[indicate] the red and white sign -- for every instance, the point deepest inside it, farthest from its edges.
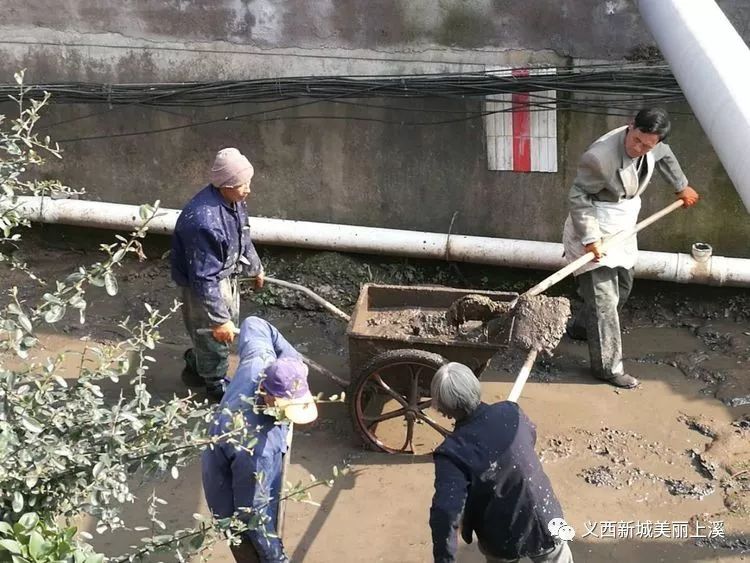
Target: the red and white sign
(520, 137)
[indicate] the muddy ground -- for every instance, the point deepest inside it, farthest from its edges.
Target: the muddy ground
(674, 450)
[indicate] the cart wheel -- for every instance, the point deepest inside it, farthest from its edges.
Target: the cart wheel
(389, 402)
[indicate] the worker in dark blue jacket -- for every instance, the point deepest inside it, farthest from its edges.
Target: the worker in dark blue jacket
(489, 480)
(211, 246)
(242, 478)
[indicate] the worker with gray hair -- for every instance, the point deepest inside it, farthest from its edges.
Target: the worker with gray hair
(211, 247)
(487, 471)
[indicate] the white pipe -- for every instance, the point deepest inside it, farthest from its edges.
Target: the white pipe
(682, 268)
(710, 61)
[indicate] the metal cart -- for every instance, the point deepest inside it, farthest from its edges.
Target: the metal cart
(389, 391)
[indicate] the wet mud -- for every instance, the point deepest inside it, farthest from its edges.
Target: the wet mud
(675, 449)
(540, 322)
(476, 308)
(424, 324)
(467, 319)
(537, 322)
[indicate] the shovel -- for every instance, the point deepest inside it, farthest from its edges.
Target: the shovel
(545, 284)
(318, 299)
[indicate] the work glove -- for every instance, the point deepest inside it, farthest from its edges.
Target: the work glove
(596, 248)
(224, 332)
(689, 196)
(260, 280)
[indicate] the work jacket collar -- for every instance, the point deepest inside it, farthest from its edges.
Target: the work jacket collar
(220, 198)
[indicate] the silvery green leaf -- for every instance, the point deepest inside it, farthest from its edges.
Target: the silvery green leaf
(29, 520)
(110, 284)
(31, 425)
(175, 472)
(145, 211)
(54, 313)
(196, 542)
(25, 323)
(98, 468)
(17, 502)
(52, 299)
(74, 277)
(117, 256)
(11, 545)
(36, 545)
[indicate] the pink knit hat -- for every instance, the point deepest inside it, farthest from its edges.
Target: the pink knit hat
(230, 169)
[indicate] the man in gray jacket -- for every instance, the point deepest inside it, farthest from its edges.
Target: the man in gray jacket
(606, 198)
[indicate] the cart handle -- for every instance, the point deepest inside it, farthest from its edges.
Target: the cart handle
(307, 291)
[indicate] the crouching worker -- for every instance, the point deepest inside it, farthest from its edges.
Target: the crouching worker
(249, 481)
(488, 471)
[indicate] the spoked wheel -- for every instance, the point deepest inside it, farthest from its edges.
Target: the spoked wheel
(390, 399)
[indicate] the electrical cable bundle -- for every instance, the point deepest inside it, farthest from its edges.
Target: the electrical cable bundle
(607, 89)
(653, 82)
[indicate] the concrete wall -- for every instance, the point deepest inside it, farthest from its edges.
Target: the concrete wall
(350, 167)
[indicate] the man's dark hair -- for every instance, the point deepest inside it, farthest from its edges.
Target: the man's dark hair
(654, 120)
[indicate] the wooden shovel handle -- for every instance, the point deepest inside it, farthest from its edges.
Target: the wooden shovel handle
(522, 376)
(608, 242)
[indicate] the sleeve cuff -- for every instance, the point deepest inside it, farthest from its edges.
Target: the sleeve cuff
(682, 185)
(589, 240)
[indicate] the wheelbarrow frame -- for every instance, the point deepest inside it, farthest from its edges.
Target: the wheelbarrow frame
(364, 345)
(370, 352)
